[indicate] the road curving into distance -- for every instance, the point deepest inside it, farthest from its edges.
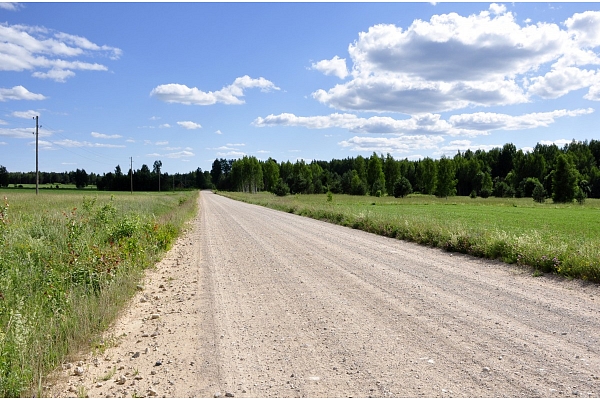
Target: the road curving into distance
(253, 302)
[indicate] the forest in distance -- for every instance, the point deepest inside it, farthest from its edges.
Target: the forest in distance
(563, 174)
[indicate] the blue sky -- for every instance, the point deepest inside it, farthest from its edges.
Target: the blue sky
(186, 83)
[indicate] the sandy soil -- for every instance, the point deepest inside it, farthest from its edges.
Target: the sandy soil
(253, 302)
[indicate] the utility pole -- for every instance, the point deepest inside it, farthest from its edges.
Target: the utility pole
(37, 170)
(131, 173)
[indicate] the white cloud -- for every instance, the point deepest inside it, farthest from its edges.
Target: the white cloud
(177, 93)
(218, 132)
(559, 82)
(493, 121)
(22, 133)
(18, 93)
(584, 28)
(393, 145)
(416, 124)
(497, 9)
(236, 144)
(44, 52)
(452, 62)
(180, 154)
(104, 136)
(462, 145)
(58, 75)
(43, 145)
(336, 66)
(153, 118)
(175, 155)
(29, 114)
(232, 153)
(3, 122)
(189, 125)
(559, 142)
(76, 143)
(10, 5)
(457, 125)
(162, 143)
(164, 126)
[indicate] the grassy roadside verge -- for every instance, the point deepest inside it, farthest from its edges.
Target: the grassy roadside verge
(561, 239)
(68, 264)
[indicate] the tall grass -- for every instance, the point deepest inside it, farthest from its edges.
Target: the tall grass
(68, 264)
(562, 239)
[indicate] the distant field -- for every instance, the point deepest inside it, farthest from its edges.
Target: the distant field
(560, 238)
(69, 260)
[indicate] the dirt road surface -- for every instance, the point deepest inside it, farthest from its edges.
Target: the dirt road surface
(253, 302)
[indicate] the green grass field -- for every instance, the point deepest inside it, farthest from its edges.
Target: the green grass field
(559, 238)
(69, 260)
(49, 186)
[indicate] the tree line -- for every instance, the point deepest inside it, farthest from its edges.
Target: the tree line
(564, 174)
(143, 179)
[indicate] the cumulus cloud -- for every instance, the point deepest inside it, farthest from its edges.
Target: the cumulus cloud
(336, 66)
(18, 93)
(177, 93)
(452, 62)
(29, 114)
(104, 136)
(189, 125)
(47, 53)
(392, 145)
(463, 124)
(494, 121)
(417, 123)
(58, 75)
(559, 82)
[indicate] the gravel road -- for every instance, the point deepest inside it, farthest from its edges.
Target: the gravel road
(260, 303)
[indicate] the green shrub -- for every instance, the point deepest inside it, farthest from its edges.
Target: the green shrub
(281, 188)
(402, 187)
(539, 194)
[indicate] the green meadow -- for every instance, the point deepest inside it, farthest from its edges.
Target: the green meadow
(69, 261)
(551, 238)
